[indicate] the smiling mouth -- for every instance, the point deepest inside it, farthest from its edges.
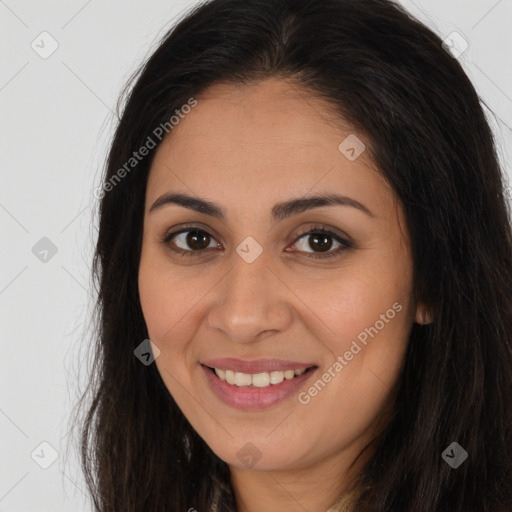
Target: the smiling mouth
(257, 380)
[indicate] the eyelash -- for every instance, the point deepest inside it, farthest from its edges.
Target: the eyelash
(317, 230)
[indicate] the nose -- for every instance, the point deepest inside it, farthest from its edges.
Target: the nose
(251, 302)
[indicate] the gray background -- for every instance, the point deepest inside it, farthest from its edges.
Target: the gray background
(57, 119)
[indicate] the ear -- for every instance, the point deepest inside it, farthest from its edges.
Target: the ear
(423, 316)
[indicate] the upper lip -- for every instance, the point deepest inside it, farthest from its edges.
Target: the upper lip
(256, 365)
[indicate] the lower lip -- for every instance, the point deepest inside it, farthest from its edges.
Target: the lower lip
(247, 397)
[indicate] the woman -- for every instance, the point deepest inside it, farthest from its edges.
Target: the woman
(304, 212)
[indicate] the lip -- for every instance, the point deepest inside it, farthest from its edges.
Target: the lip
(256, 365)
(254, 398)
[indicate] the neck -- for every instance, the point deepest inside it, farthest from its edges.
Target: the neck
(315, 487)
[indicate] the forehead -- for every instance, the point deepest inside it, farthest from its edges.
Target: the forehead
(272, 112)
(267, 139)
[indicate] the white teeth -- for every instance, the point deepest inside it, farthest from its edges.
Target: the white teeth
(276, 377)
(243, 379)
(230, 377)
(259, 380)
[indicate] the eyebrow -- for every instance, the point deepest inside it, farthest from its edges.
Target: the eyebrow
(280, 211)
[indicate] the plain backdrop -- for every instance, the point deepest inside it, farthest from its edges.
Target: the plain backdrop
(57, 118)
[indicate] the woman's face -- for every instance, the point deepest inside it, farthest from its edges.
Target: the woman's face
(252, 294)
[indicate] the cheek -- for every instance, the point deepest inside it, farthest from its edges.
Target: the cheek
(357, 302)
(364, 362)
(368, 316)
(172, 304)
(163, 295)
(164, 308)
(154, 300)
(159, 297)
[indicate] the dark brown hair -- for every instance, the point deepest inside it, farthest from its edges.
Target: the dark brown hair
(389, 76)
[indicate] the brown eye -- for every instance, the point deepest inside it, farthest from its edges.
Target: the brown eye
(188, 241)
(197, 240)
(320, 241)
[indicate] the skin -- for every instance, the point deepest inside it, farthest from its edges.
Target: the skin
(247, 148)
